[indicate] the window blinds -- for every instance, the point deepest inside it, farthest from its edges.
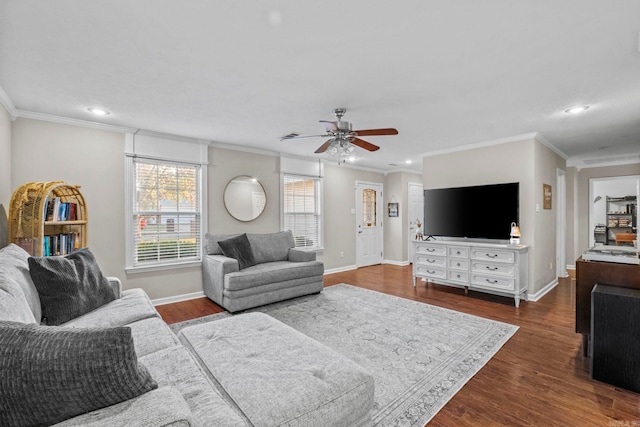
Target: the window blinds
(166, 212)
(302, 210)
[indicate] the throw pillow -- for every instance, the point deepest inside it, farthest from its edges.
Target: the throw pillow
(49, 373)
(239, 248)
(69, 286)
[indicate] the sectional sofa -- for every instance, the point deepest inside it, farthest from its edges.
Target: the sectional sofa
(227, 372)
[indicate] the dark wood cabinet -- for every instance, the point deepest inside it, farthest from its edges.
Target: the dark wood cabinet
(590, 273)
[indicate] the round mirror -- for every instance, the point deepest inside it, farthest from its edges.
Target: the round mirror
(244, 198)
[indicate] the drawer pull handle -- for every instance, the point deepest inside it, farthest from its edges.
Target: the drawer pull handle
(430, 249)
(491, 268)
(458, 276)
(431, 260)
(491, 281)
(458, 252)
(431, 271)
(458, 264)
(492, 255)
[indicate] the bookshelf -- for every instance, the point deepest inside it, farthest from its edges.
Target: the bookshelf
(621, 216)
(48, 218)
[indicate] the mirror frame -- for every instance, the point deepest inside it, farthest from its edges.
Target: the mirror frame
(224, 197)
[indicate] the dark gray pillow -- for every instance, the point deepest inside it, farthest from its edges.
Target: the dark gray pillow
(49, 374)
(69, 286)
(239, 248)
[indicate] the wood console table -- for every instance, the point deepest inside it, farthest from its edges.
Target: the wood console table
(588, 274)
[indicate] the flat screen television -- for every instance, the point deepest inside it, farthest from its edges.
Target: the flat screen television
(480, 212)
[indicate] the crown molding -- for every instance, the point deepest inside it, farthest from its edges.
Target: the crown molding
(537, 136)
(243, 148)
(544, 141)
(73, 122)
(8, 104)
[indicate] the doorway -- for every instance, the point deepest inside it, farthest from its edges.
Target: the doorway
(613, 208)
(369, 229)
(561, 223)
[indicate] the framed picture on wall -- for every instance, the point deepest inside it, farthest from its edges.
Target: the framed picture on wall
(546, 196)
(393, 210)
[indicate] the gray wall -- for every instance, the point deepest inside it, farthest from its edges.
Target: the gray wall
(396, 230)
(528, 162)
(339, 223)
(94, 159)
(224, 165)
(5, 173)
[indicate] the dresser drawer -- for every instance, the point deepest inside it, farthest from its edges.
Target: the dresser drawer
(458, 264)
(508, 270)
(430, 272)
(458, 252)
(427, 249)
(458, 276)
(492, 282)
(430, 261)
(493, 255)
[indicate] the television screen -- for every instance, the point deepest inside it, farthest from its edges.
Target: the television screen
(484, 212)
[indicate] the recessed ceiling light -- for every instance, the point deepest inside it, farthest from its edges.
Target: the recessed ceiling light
(576, 110)
(98, 111)
(408, 162)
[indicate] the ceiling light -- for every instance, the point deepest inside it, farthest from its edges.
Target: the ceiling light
(352, 159)
(98, 111)
(408, 162)
(576, 110)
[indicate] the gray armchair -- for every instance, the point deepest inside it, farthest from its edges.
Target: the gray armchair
(281, 272)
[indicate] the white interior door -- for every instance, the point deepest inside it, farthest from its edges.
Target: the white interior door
(368, 223)
(415, 212)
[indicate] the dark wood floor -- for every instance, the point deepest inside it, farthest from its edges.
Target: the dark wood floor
(538, 378)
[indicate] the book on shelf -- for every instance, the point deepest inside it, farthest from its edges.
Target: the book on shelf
(57, 210)
(60, 244)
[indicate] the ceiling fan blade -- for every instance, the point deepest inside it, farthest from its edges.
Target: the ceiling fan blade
(374, 132)
(329, 126)
(364, 144)
(294, 135)
(324, 147)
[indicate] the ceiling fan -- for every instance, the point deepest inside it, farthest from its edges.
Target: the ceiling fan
(342, 138)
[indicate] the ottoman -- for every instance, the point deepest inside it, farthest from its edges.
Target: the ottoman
(278, 376)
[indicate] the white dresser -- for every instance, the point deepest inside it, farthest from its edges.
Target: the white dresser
(485, 267)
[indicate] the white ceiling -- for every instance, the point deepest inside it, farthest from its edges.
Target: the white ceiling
(444, 73)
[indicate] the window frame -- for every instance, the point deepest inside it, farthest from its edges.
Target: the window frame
(319, 247)
(131, 225)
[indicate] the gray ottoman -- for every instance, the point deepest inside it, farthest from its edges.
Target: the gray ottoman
(278, 376)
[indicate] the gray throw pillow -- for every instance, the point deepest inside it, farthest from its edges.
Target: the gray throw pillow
(49, 374)
(69, 286)
(239, 248)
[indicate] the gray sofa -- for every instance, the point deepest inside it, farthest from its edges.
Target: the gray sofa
(208, 375)
(281, 272)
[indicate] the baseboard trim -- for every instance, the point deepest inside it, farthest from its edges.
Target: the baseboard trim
(542, 292)
(340, 269)
(398, 263)
(177, 298)
(571, 267)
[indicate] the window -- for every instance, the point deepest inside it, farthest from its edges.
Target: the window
(302, 210)
(165, 212)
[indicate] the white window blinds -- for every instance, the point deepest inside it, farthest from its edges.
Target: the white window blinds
(166, 212)
(302, 210)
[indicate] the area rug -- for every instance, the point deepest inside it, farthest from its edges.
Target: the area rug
(419, 354)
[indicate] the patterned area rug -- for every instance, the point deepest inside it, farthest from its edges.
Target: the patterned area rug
(419, 354)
